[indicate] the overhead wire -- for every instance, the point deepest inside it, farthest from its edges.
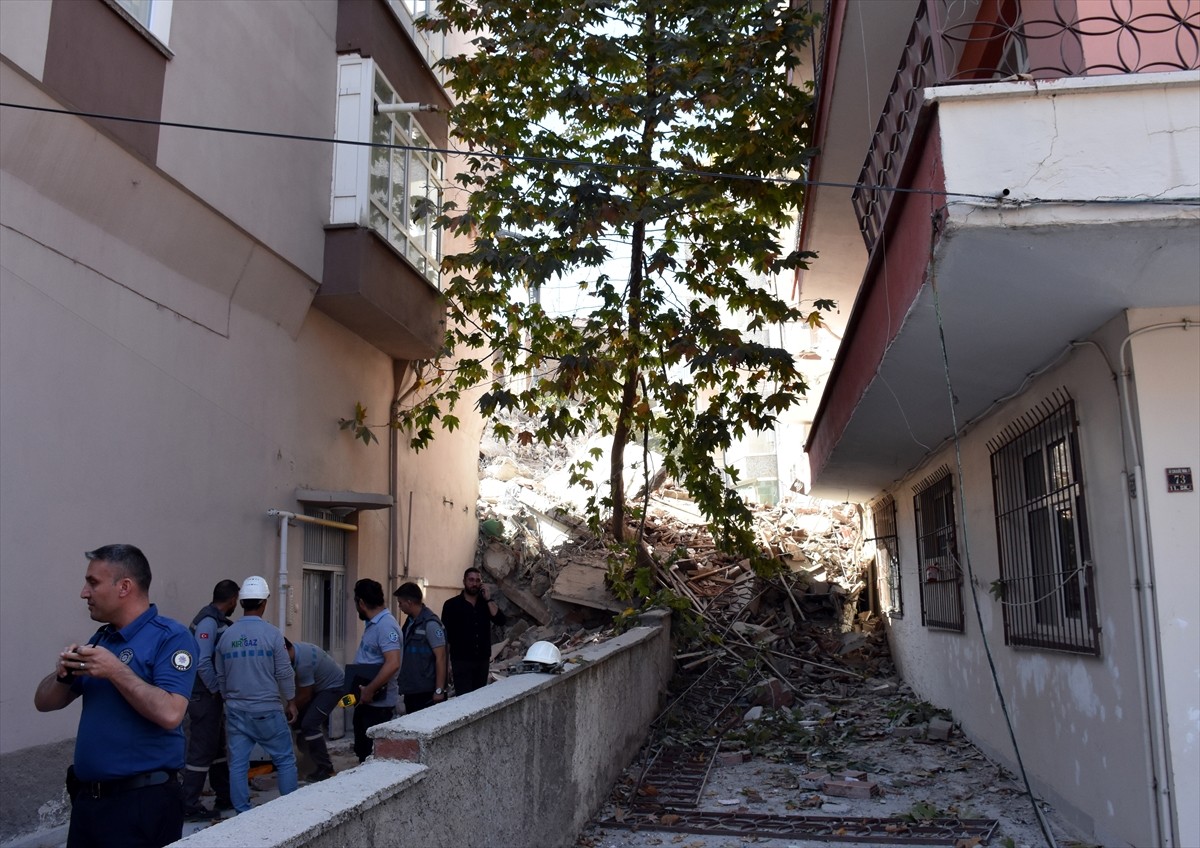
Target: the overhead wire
(1000, 199)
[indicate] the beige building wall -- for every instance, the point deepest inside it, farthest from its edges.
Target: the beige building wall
(163, 379)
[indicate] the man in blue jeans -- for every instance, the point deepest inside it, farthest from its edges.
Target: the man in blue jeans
(253, 672)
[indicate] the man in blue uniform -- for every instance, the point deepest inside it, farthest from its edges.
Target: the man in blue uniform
(380, 647)
(423, 669)
(253, 671)
(206, 718)
(318, 686)
(135, 675)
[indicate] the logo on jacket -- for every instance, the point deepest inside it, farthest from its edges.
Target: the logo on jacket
(243, 642)
(182, 660)
(126, 655)
(203, 635)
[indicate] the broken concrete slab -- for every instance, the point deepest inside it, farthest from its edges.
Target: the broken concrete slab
(940, 729)
(584, 585)
(851, 788)
(525, 600)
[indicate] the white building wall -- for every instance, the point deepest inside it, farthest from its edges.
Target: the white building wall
(1080, 721)
(1166, 370)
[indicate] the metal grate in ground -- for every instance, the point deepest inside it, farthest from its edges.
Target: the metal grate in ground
(893, 831)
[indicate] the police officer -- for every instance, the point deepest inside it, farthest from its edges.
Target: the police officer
(135, 676)
(206, 718)
(253, 671)
(318, 687)
(423, 669)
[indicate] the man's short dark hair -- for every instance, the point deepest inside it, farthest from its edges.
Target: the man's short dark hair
(472, 570)
(253, 603)
(225, 591)
(409, 592)
(128, 562)
(369, 591)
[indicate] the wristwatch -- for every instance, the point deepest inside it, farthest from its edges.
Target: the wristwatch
(439, 691)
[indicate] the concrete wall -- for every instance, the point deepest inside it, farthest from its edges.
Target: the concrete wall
(1080, 721)
(523, 762)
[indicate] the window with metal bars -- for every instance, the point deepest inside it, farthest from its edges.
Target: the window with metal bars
(325, 599)
(1046, 584)
(937, 553)
(887, 552)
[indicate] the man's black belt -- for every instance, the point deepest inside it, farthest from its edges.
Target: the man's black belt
(107, 788)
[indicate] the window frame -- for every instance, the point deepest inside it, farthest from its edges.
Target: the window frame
(938, 562)
(883, 520)
(157, 23)
(359, 167)
(324, 565)
(1042, 532)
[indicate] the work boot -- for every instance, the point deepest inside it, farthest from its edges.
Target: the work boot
(319, 775)
(199, 812)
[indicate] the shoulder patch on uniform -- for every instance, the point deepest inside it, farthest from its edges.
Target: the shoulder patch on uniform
(182, 660)
(126, 655)
(393, 636)
(202, 635)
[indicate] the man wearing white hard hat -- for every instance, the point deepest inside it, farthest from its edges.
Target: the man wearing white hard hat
(253, 672)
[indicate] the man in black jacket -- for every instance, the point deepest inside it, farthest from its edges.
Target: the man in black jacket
(468, 618)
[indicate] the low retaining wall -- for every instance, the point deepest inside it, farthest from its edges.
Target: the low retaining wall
(521, 763)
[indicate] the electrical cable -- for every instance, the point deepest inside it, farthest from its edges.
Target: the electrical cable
(994, 199)
(962, 493)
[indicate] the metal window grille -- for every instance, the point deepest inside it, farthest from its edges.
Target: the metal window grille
(324, 584)
(937, 553)
(887, 551)
(1046, 572)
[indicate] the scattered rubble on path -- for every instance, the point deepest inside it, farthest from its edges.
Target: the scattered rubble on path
(785, 712)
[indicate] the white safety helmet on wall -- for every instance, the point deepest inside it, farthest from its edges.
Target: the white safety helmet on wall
(544, 653)
(255, 589)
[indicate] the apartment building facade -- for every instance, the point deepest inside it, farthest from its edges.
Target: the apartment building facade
(196, 285)
(1006, 208)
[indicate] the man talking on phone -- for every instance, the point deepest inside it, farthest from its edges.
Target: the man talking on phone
(135, 675)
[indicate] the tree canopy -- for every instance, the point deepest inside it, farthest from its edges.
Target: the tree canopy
(668, 135)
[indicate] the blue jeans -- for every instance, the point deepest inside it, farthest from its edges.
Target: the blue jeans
(270, 730)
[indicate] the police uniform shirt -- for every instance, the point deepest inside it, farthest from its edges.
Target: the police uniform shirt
(418, 671)
(316, 668)
(382, 634)
(114, 739)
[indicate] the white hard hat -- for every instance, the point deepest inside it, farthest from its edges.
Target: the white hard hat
(544, 653)
(255, 589)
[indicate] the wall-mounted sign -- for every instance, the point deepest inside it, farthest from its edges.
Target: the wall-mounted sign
(1179, 479)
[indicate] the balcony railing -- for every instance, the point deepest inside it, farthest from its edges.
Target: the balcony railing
(972, 41)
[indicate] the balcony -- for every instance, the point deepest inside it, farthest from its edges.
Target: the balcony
(973, 41)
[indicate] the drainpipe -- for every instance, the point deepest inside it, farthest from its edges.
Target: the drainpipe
(1148, 630)
(284, 517)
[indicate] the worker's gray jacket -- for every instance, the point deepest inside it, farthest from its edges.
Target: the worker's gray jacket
(253, 668)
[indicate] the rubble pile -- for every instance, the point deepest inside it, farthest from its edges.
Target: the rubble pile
(549, 569)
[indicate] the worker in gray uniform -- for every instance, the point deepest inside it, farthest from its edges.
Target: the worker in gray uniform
(318, 687)
(253, 673)
(206, 716)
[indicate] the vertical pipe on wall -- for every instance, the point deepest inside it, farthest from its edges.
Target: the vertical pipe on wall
(1149, 631)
